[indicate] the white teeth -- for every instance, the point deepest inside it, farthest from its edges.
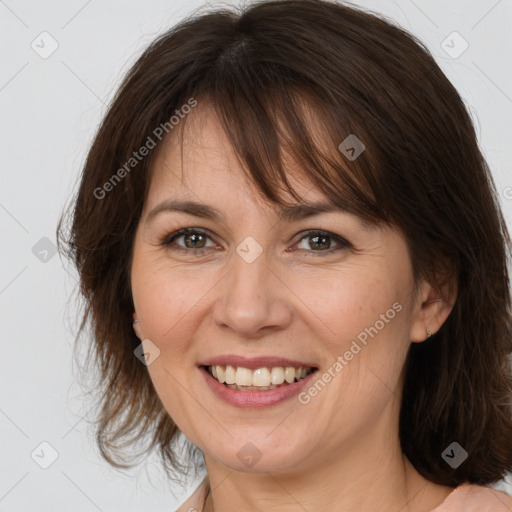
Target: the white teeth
(289, 374)
(243, 377)
(230, 375)
(261, 379)
(277, 375)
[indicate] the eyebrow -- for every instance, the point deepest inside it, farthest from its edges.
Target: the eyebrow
(287, 214)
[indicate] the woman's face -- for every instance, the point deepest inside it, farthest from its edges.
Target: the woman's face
(252, 285)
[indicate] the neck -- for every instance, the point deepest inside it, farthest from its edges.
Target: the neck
(371, 474)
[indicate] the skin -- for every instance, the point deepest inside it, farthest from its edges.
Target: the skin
(304, 305)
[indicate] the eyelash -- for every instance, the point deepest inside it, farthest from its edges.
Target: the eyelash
(169, 239)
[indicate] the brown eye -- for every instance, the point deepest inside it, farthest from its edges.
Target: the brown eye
(194, 240)
(321, 240)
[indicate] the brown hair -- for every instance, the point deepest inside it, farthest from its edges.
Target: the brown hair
(422, 172)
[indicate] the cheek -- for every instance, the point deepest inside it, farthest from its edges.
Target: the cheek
(347, 300)
(365, 321)
(162, 297)
(165, 308)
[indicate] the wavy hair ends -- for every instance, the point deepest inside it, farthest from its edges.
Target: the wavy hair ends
(265, 69)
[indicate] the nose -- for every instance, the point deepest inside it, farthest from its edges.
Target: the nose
(252, 299)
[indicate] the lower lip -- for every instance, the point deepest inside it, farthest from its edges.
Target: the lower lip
(255, 399)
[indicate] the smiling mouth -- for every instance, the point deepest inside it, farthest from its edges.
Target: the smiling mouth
(261, 379)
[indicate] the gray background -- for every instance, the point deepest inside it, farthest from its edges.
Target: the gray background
(50, 109)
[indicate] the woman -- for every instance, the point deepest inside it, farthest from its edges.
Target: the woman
(290, 204)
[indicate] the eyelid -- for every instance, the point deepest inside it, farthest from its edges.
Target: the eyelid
(169, 238)
(342, 243)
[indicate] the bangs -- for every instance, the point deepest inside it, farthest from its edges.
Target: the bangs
(275, 128)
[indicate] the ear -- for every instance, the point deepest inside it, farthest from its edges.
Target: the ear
(136, 326)
(431, 308)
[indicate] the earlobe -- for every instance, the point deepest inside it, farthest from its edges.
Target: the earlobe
(136, 326)
(429, 320)
(431, 312)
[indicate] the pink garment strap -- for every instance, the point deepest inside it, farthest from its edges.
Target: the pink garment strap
(475, 498)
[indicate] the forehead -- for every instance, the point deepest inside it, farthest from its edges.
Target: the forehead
(201, 161)
(197, 162)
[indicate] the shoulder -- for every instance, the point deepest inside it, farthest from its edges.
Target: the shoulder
(194, 503)
(475, 498)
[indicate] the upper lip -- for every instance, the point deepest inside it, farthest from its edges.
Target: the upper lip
(253, 363)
